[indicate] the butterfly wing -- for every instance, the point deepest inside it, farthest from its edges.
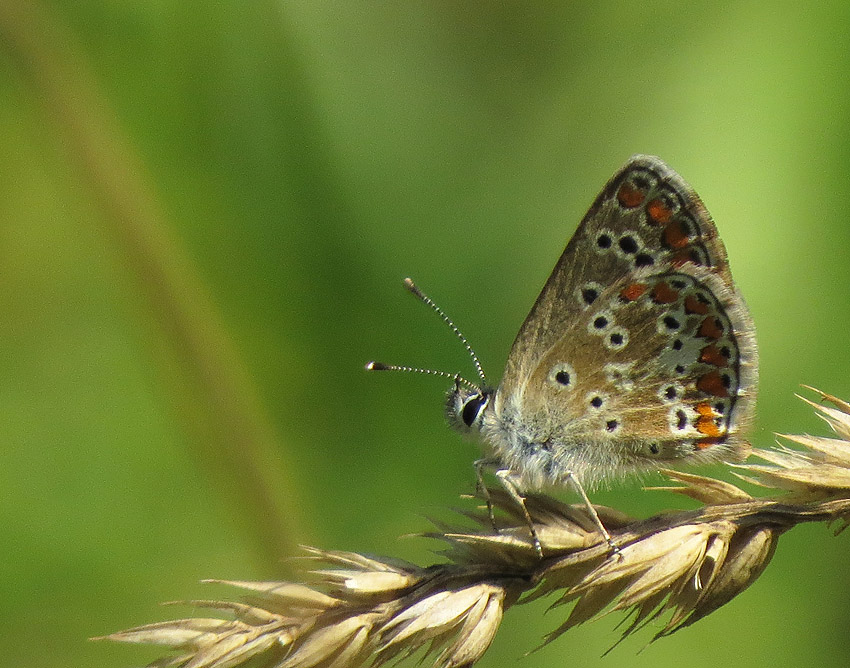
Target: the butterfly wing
(639, 342)
(645, 216)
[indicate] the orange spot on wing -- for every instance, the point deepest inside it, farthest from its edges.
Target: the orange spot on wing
(662, 293)
(705, 423)
(705, 410)
(712, 383)
(630, 196)
(674, 235)
(711, 328)
(633, 291)
(659, 212)
(711, 355)
(708, 427)
(705, 443)
(694, 305)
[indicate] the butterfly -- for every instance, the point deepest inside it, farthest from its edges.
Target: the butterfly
(639, 353)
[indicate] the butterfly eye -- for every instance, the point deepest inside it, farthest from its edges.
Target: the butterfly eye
(472, 407)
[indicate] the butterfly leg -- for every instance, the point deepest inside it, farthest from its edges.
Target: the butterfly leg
(507, 478)
(592, 512)
(480, 465)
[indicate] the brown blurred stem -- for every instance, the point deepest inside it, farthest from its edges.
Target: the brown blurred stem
(230, 432)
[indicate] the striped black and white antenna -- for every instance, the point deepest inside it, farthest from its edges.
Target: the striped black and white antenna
(411, 287)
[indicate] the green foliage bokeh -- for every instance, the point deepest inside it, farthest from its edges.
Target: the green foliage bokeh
(306, 156)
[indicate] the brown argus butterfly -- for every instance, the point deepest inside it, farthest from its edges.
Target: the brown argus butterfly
(639, 352)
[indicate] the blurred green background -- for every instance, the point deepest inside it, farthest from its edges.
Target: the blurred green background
(206, 210)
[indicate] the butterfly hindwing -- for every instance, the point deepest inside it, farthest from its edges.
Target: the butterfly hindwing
(664, 369)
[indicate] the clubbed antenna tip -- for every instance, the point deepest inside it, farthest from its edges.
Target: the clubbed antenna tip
(410, 285)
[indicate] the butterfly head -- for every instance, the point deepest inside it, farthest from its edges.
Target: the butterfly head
(466, 406)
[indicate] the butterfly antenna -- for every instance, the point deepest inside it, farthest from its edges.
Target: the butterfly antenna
(460, 380)
(425, 299)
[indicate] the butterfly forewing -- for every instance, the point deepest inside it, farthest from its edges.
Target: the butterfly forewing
(646, 217)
